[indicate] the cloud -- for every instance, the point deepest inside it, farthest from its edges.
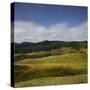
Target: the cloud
(32, 32)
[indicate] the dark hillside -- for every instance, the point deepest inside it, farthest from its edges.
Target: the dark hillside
(26, 47)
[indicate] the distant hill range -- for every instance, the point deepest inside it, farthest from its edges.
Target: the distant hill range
(26, 47)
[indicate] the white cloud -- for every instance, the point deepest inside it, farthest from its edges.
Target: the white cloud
(32, 32)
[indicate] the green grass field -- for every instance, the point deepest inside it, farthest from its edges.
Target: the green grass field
(54, 81)
(52, 70)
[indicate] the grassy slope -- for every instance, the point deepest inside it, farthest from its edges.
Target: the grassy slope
(40, 71)
(66, 58)
(54, 81)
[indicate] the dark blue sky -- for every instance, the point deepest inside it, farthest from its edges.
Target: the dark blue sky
(50, 14)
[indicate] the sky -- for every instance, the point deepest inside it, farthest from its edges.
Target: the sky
(39, 22)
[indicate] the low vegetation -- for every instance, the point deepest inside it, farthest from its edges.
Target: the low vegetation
(54, 81)
(66, 65)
